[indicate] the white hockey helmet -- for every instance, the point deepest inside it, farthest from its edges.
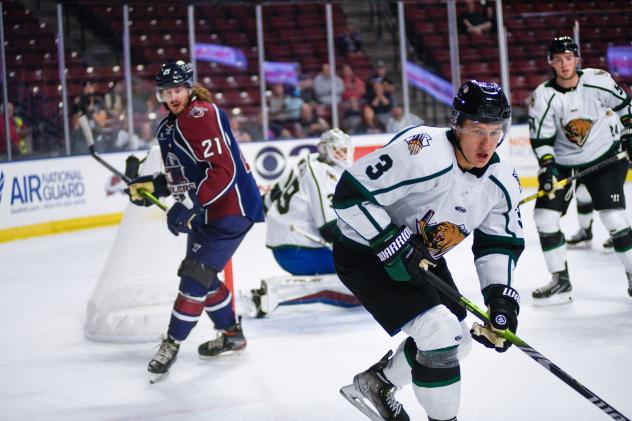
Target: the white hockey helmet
(335, 147)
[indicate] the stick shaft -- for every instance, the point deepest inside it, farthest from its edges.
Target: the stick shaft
(526, 348)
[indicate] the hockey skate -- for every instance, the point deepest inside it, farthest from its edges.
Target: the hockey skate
(608, 244)
(257, 295)
(629, 275)
(581, 239)
(558, 291)
(228, 341)
(167, 354)
(372, 386)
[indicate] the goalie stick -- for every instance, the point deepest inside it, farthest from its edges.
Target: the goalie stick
(309, 236)
(87, 134)
(577, 175)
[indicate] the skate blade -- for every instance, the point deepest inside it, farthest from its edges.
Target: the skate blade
(156, 377)
(232, 354)
(356, 399)
(554, 300)
(582, 245)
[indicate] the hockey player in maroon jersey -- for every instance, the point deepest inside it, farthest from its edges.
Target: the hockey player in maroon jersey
(217, 202)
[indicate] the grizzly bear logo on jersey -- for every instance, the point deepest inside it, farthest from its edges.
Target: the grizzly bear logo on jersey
(577, 130)
(439, 237)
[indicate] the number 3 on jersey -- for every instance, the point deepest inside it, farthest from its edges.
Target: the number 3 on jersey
(375, 171)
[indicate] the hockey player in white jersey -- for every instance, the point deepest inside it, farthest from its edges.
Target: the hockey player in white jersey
(300, 228)
(576, 120)
(400, 209)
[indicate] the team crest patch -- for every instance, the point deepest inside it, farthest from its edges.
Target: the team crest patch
(197, 112)
(417, 142)
(577, 130)
(439, 237)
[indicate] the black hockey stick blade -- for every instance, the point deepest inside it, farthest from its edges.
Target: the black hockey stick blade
(456, 296)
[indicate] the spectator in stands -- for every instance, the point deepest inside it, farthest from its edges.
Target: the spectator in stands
(399, 120)
(474, 20)
(381, 101)
(322, 86)
(349, 42)
(115, 100)
(88, 98)
(352, 115)
(275, 103)
(354, 87)
(310, 124)
(379, 74)
(18, 134)
(306, 89)
(370, 124)
(241, 135)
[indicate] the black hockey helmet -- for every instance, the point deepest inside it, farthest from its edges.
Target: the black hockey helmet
(174, 73)
(481, 102)
(559, 45)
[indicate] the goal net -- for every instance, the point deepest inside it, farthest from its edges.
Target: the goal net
(134, 295)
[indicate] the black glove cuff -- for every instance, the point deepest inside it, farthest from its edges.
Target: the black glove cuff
(546, 161)
(494, 293)
(389, 245)
(160, 186)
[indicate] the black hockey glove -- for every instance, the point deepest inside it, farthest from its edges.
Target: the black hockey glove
(503, 303)
(155, 184)
(547, 175)
(185, 216)
(402, 253)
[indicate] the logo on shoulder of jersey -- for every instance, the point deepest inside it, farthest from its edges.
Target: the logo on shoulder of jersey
(197, 112)
(460, 209)
(439, 237)
(417, 142)
(302, 166)
(177, 181)
(577, 130)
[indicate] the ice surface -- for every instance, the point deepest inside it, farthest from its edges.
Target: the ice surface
(296, 360)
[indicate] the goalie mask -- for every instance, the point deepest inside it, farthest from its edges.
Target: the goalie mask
(171, 74)
(483, 103)
(335, 147)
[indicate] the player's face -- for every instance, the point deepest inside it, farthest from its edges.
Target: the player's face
(565, 65)
(478, 142)
(176, 98)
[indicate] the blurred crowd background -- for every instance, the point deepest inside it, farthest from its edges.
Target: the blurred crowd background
(100, 82)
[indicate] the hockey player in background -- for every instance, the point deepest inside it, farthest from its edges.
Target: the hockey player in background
(400, 209)
(576, 120)
(217, 202)
(583, 237)
(300, 223)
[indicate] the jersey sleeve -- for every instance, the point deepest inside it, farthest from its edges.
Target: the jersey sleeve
(320, 189)
(613, 96)
(412, 162)
(499, 241)
(208, 139)
(541, 122)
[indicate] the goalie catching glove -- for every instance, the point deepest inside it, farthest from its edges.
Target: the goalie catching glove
(155, 184)
(403, 254)
(503, 307)
(186, 215)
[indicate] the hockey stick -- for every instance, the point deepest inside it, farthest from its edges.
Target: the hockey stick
(560, 184)
(87, 134)
(526, 348)
(310, 236)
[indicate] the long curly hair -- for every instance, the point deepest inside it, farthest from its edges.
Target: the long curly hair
(201, 93)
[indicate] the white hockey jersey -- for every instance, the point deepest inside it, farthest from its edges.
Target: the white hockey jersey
(305, 202)
(578, 126)
(415, 181)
